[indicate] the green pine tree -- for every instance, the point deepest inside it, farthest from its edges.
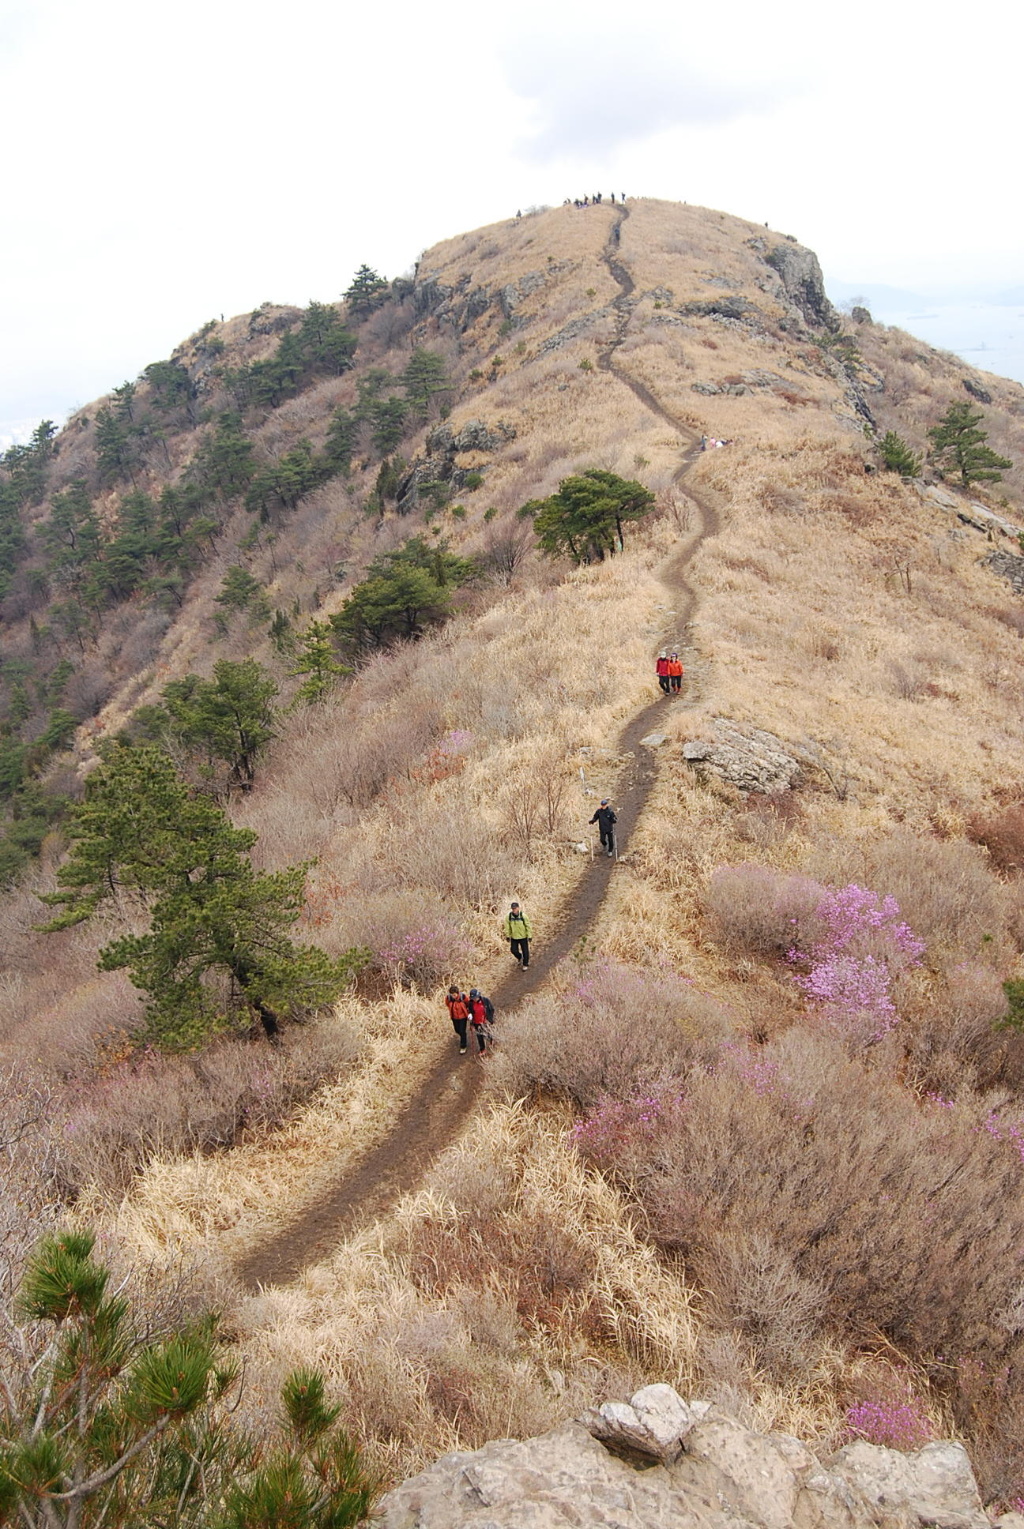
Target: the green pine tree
(585, 518)
(366, 292)
(958, 444)
(897, 456)
(317, 662)
(425, 377)
(218, 946)
(229, 719)
(108, 1422)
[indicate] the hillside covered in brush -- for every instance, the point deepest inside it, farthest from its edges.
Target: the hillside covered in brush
(753, 1125)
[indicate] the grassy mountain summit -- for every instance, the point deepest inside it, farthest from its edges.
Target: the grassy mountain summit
(753, 1123)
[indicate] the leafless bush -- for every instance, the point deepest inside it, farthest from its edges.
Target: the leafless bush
(909, 680)
(108, 1126)
(764, 910)
(454, 857)
(409, 942)
(504, 551)
(904, 1213)
(86, 691)
(952, 1041)
(768, 821)
(1002, 834)
(615, 1030)
(946, 893)
(756, 1289)
(536, 804)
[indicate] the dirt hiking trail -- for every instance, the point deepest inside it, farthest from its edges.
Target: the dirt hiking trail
(447, 1095)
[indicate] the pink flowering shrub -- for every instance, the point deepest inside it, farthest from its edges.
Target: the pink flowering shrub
(861, 946)
(615, 1124)
(429, 953)
(414, 941)
(895, 1424)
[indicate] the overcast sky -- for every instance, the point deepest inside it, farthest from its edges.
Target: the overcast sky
(172, 160)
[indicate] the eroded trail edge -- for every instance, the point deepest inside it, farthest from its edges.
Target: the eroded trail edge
(446, 1097)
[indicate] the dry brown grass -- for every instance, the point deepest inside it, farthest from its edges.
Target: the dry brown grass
(836, 611)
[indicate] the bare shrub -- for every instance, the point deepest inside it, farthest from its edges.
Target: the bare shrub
(946, 893)
(107, 1127)
(408, 942)
(28, 1205)
(758, 1291)
(1002, 834)
(504, 551)
(450, 855)
(1011, 616)
(909, 680)
(536, 804)
(905, 1213)
(768, 821)
(764, 910)
(954, 1041)
(87, 690)
(611, 1032)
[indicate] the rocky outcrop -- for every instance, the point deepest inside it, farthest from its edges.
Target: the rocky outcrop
(976, 390)
(803, 283)
(970, 513)
(444, 444)
(512, 295)
(662, 1461)
(474, 435)
(746, 757)
(1008, 567)
(575, 328)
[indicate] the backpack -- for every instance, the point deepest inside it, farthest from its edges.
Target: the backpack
(477, 1005)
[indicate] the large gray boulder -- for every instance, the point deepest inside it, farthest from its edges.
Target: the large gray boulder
(659, 1460)
(746, 757)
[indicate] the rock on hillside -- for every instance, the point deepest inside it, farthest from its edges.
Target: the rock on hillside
(687, 1467)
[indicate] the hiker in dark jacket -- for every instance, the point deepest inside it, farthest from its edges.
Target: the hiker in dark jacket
(458, 1007)
(481, 1012)
(606, 820)
(518, 934)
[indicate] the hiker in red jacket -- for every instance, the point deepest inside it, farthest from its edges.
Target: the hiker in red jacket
(675, 674)
(458, 1007)
(481, 1012)
(661, 669)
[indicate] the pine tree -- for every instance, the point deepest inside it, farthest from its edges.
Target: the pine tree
(317, 662)
(585, 518)
(226, 461)
(341, 440)
(958, 443)
(106, 1422)
(897, 456)
(425, 376)
(218, 945)
(230, 718)
(367, 292)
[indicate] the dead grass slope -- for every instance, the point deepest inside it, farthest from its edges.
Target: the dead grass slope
(837, 611)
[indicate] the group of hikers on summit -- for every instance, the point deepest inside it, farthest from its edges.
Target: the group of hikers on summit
(472, 1013)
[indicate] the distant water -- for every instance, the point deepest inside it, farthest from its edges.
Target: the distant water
(989, 336)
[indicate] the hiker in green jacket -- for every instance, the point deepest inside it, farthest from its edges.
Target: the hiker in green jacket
(518, 934)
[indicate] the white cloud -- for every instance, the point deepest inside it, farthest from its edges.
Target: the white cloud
(178, 161)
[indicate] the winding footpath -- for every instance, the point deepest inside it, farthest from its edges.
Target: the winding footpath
(446, 1097)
